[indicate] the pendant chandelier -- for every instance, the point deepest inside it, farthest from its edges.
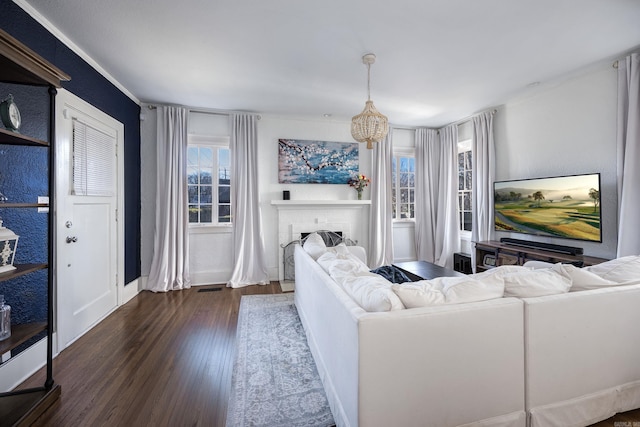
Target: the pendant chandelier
(369, 126)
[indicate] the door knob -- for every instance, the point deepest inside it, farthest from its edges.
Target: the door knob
(72, 239)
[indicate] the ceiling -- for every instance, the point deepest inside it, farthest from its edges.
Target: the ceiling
(437, 60)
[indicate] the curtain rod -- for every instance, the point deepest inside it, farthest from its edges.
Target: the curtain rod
(466, 119)
(452, 123)
(209, 111)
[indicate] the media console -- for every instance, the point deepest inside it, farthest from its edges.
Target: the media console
(491, 254)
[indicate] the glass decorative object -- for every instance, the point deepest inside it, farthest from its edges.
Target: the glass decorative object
(5, 319)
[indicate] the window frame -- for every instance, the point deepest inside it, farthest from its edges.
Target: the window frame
(407, 153)
(214, 142)
(463, 147)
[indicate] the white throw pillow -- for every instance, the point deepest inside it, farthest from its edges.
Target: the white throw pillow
(535, 283)
(419, 294)
(372, 292)
(326, 260)
(314, 246)
(538, 264)
(449, 290)
(582, 280)
(472, 290)
(340, 249)
(340, 268)
(499, 271)
(620, 270)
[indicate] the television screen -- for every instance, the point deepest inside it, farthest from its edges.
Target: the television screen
(563, 206)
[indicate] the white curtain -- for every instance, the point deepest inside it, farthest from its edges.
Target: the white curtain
(380, 218)
(483, 175)
(170, 263)
(437, 230)
(250, 266)
(628, 142)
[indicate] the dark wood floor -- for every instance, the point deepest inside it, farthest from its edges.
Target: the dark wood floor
(160, 360)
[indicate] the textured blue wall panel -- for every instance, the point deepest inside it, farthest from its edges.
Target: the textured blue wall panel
(89, 85)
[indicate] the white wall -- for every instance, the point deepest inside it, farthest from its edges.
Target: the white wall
(210, 248)
(272, 128)
(564, 128)
(568, 128)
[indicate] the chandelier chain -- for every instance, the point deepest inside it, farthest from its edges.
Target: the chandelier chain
(368, 82)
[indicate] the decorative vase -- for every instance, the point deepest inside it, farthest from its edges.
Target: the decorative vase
(359, 194)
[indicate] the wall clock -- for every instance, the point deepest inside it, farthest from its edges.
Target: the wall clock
(10, 114)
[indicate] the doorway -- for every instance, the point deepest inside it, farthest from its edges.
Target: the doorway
(89, 263)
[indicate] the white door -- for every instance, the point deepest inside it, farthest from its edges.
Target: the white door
(88, 191)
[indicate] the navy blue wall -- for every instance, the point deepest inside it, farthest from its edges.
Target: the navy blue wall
(23, 177)
(89, 85)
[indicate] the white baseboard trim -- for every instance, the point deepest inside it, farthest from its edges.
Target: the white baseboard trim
(19, 368)
(210, 278)
(201, 278)
(130, 290)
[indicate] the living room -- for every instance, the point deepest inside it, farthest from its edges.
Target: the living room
(560, 123)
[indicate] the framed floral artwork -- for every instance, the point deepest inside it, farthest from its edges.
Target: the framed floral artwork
(316, 162)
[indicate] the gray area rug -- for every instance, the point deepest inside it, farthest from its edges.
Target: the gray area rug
(274, 380)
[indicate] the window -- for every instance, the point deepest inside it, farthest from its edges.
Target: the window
(209, 181)
(465, 184)
(403, 186)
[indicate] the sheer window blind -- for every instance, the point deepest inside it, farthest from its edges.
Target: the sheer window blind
(94, 161)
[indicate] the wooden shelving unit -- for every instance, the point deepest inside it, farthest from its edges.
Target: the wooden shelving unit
(505, 254)
(21, 65)
(21, 270)
(8, 137)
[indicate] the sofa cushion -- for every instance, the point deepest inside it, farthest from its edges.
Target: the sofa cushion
(449, 290)
(538, 264)
(419, 294)
(581, 279)
(341, 264)
(535, 283)
(620, 270)
(371, 292)
(314, 246)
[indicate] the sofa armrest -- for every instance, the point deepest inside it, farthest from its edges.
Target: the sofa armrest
(578, 345)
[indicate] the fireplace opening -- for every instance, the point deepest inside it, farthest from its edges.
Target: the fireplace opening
(331, 238)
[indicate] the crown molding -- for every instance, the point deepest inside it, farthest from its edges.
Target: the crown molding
(71, 45)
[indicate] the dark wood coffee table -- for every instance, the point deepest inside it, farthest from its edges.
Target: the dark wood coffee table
(423, 270)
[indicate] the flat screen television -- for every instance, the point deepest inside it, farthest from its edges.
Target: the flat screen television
(564, 206)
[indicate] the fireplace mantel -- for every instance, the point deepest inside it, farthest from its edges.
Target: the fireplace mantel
(297, 204)
(295, 217)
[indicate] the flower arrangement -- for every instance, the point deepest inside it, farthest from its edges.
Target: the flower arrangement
(359, 182)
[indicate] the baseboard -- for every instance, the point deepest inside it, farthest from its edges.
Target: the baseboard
(19, 368)
(209, 278)
(130, 290)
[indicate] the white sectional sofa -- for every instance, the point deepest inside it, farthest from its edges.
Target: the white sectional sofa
(570, 359)
(435, 366)
(582, 354)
